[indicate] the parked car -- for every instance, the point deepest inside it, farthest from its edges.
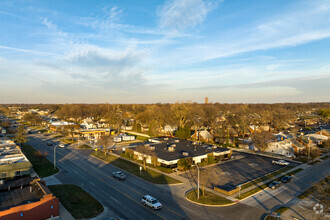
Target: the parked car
(274, 184)
(280, 162)
(286, 179)
(151, 202)
(61, 145)
(119, 175)
(49, 143)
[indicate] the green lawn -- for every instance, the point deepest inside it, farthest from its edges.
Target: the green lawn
(85, 146)
(68, 141)
(209, 198)
(261, 187)
(40, 164)
(149, 175)
(266, 177)
(78, 202)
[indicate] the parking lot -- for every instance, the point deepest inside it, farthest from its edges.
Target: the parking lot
(242, 168)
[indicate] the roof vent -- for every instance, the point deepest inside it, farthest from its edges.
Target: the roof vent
(177, 141)
(147, 145)
(171, 148)
(165, 139)
(184, 153)
(151, 147)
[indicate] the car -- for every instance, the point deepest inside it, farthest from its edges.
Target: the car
(119, 175)
(61, 145)
(274, 184)
(280, 162)
(152, 202)
(49, 143)
(286, 179)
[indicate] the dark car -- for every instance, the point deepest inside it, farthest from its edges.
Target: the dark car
(119, 175)
(49, 143)
(286, 179)
(274, 184)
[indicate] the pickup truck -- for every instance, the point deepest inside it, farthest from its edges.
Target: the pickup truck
(151, 202)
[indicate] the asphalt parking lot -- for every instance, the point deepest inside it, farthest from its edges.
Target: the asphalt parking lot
(238, 170)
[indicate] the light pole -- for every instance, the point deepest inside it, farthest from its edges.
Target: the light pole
(55, 157)
(197, 180)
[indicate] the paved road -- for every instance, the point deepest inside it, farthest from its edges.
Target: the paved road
(124, 197)
(271, 199)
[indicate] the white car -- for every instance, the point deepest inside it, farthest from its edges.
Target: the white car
(280, 162)
(61, 145)
(151, 202)
(119, 175)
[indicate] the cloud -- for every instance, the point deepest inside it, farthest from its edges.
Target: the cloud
(177, 16)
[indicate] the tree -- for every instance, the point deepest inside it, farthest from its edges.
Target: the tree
(6, 124)
(184, 163)
(183, 133)
(145, 153)
(21, 136)
(105, 142)
(261, 139)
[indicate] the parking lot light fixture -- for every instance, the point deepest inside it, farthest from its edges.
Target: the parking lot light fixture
(197, 180)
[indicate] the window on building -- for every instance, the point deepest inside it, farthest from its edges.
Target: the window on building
(3, 175)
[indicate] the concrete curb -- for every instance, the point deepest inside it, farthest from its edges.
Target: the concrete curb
(185, 196)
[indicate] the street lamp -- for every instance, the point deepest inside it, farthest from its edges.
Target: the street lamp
(197, 179)
(55, 157)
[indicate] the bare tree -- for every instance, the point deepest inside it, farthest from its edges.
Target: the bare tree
(145, 153)
(106, 142)
(261, 139)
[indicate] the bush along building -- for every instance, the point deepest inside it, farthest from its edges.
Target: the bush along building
(174, 152)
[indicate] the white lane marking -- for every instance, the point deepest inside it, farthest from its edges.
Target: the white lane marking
(92, 184)
(186, 208)
(75, 171)
(115, 200)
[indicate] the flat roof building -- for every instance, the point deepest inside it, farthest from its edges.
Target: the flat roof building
(13, 162)
(169, 150)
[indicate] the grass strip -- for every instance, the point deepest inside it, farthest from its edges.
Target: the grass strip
(208, 198)
(266, 177)
(77, 201)
(85, 146)
(40, 163)
(149, 175)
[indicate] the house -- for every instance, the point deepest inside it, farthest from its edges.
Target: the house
(202, 136)
(94, 134)
(27, 198)
(88, 123)
(167, 151)
(13, 162)
(168, 129)
(317, 138)
(61, 125)
(283, 147)
(124, 137)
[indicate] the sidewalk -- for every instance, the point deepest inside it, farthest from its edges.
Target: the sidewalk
(302, 166)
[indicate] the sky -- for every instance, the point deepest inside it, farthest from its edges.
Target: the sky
(156, 51)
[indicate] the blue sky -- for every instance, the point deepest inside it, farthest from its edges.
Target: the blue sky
(151, 51)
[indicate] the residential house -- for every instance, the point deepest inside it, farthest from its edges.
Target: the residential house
(202, 136)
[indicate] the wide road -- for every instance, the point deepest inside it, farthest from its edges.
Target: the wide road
(286, 194)
(124, 197)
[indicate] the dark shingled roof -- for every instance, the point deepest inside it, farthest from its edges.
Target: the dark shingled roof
(193, 149)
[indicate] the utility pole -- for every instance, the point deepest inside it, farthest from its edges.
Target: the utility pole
(55, 157)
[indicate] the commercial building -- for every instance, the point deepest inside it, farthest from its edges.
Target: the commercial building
(13, 162)
(166, 151)
(27, 198)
